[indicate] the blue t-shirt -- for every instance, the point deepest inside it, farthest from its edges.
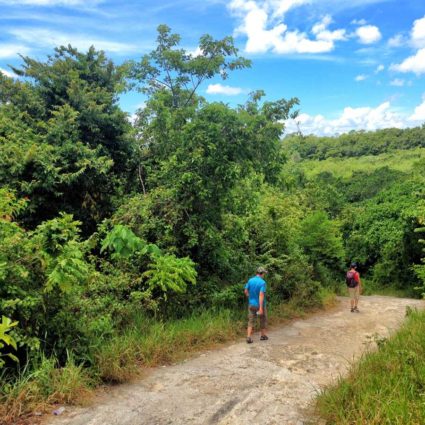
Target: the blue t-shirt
(254, 286)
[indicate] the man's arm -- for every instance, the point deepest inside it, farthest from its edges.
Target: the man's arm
(261, 311)
(246, 292)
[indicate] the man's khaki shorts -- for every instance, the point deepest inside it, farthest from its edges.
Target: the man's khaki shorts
(354, 292)
(252, 317)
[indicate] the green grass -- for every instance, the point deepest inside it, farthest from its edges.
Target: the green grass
(401, 160)
(150, 343)
(386, 387)
(43, 386)
(370, 288)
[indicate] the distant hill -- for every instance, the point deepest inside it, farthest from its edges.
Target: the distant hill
(354, 144)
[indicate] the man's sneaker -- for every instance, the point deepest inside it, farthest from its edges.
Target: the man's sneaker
(352, 310)
(356, 310)
(264, 338)
(249, 340)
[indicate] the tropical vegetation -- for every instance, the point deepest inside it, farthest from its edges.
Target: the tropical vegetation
(117, 236)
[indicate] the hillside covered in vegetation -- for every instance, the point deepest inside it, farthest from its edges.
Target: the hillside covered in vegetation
(109, 229)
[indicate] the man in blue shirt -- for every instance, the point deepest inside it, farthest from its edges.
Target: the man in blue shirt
(255, 290)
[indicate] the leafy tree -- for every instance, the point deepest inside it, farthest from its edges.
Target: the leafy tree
(65, 143)
(171, 69)
(321, 240)
(193, 154)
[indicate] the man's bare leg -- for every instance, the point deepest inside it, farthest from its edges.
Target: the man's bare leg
(249, 332)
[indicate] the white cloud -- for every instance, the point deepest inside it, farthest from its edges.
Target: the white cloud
(379, 69)
(398, 82)
(49, 38)
(359, 22)
(360, 77)
(7, 73)
(12, 50)
(415, 63)
(419, 114)
(262, 22)
(397, 41)
(368, 34)
(225, 90)
(364, 118)
(195, 52)
(322, 33)
(418, 33)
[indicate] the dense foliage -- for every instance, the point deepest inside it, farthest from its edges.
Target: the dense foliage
(103, 222)
(356, 143)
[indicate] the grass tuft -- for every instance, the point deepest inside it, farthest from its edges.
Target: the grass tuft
(384, 387)
(45, 386)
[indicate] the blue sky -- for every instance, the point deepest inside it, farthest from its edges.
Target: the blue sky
(357, 64)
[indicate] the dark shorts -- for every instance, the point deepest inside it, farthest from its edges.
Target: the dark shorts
(252, 316)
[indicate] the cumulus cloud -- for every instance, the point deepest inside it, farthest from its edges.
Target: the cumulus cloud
(360, 77)
(415, 63)
(398, 82)
(48, 38)
(368, 34)
(419, 114)
(418, 33)
(263, 25)
(222, 89)
(364, 118)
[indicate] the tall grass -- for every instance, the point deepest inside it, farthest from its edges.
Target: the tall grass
(150, 343)
(43, 385)
(386, 386)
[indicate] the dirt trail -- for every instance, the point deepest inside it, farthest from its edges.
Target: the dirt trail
(267, 382)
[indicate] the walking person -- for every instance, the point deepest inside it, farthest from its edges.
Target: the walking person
(354, 286)
(255, 290)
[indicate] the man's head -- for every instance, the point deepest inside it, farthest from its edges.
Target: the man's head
(353, 266)
(261, 271)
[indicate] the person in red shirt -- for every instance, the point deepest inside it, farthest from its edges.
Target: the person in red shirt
(354, 285)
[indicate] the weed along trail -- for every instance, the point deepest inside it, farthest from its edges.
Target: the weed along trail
(267, 382)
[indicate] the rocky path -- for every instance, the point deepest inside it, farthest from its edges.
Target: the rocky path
(267, 382)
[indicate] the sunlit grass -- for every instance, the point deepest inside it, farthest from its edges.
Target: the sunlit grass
(402, 160)
(386, 386)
